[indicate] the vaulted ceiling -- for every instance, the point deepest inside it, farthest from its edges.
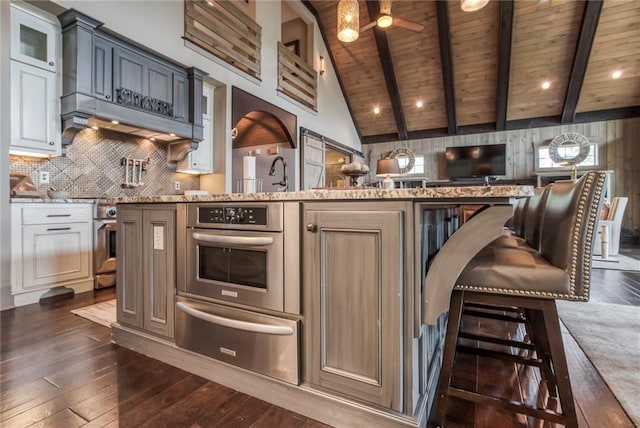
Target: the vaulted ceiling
(482, 71)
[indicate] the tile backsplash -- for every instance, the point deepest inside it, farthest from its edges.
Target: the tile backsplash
(92, 167)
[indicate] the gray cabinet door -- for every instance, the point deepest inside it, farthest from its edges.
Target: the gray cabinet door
(180, 97)
(102, 69)
(353, 270)
(129, 266)
(159, 270)
(146, 267)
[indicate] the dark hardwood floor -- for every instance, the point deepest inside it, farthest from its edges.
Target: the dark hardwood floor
(60, 370)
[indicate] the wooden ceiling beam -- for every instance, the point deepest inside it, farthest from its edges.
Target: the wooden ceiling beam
(314, 12)
(581, 59)
(504, 62)
(446, 61)
(384, 53)
(512, 125)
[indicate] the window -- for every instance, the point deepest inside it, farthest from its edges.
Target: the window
(545, 162)
(418, 166)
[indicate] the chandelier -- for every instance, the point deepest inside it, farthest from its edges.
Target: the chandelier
(348, 20)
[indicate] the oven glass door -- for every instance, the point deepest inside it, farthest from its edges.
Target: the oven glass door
(110, 231)
(244, 267)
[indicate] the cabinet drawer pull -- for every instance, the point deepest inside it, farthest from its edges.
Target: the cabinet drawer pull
(108, 97)
(51, 63)
(236, 324)
(51, 143)
(58, 215)
(51, 229)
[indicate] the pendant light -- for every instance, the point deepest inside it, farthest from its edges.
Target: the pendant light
(472, 5)
(348, 20)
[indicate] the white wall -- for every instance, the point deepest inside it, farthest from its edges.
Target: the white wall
(159, 25)
(6, 300)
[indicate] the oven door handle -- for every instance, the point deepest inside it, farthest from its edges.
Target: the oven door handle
(255, 241)
(236, 324)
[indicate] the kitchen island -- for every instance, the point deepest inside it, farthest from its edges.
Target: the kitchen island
(355, 339)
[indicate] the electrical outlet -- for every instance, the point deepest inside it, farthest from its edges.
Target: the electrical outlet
(44, 177)
(176, 185)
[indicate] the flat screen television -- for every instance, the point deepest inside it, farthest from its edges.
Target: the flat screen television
(476, 161)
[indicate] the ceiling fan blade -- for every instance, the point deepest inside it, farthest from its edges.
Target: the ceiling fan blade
(413, 26)
(368, 26)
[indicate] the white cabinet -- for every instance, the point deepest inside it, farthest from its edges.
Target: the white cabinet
(34, 40)
(51, 246)
(200, 161)
(35, 83)
(34, 111)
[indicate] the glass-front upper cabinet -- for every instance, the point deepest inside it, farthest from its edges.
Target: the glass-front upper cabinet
(34, 41)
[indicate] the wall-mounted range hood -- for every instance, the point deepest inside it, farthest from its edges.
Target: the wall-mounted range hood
(111, 82)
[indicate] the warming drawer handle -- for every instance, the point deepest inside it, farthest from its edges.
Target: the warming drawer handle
(256, 241)
(237, 324)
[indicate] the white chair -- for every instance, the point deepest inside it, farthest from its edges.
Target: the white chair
(609, 229)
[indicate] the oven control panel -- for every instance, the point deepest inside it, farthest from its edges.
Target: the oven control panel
(233, 215)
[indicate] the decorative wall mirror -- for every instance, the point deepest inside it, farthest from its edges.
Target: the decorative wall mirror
(406, 159)
(569, 149)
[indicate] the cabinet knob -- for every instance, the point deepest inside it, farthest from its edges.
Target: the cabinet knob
(312, 227)
(51, 63)
(108, 97)
(51, 143)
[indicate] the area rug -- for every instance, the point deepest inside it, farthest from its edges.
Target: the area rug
(609, 335)
(617, 262)
(103, 313)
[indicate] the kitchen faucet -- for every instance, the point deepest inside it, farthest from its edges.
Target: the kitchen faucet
(283, 185)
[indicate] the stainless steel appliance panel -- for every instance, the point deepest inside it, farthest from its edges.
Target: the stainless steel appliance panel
(237, 216)
(104, 257)
(256, 342)
(104, 241)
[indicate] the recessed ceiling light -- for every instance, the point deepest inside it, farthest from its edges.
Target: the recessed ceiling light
(616, 74)
(115, 122)
(419, 104)
(546, 84)
(172, 135)
(376, 110)
(95, 127)
(152, 139)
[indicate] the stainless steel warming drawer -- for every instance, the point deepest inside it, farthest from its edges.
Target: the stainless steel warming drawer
(257, 342)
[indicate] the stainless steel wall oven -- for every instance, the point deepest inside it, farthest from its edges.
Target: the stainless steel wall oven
(248, 254)
(244, 264)
(104, 240)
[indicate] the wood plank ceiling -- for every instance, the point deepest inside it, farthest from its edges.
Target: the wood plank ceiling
(483, 71)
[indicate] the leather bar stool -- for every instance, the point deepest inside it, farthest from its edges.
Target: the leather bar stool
(529, 282)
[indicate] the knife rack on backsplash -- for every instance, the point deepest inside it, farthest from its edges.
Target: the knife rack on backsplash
(133, 169)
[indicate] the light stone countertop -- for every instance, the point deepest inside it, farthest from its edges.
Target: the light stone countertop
(453, 192)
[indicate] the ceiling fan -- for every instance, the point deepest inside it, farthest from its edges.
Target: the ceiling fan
(386, 20)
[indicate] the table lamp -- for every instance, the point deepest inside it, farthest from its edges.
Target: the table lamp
(387, 167)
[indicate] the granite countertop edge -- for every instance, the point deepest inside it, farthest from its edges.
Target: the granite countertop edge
(52, 201)
(351, 194)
